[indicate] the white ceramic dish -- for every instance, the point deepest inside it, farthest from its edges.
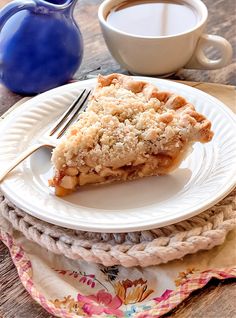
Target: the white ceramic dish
(206, 176)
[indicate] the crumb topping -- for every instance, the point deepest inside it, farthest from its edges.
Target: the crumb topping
(125, 123)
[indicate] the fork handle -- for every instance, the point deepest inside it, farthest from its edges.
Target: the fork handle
(18, 160)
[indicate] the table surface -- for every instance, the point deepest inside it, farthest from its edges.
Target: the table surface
(216, 299)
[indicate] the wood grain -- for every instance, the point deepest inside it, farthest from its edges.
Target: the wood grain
(216, 300)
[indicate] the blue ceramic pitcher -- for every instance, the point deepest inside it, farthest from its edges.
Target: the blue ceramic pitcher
(41, 46)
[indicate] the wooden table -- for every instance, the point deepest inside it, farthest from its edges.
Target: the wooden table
(216, 299)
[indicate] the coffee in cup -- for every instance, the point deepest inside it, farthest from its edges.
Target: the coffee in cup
(152, 18)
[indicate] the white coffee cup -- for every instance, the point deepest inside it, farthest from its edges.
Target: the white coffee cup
(161, 55)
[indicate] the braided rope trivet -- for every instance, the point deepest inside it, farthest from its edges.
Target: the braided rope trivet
(144, 248)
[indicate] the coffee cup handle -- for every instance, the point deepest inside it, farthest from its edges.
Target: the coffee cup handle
(200, 61)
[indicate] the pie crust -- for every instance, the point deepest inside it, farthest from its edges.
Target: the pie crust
(130, 130)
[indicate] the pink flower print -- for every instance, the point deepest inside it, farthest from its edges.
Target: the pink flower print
(88, 279)
(83, 279)
(164, 296)
(102, 302)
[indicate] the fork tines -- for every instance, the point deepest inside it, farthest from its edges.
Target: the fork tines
(70, 115)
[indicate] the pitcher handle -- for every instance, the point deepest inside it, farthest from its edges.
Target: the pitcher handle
(14, 7)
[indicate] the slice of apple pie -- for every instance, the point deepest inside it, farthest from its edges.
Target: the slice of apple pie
(129, 130)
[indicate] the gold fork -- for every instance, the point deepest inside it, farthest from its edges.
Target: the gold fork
(51, 138)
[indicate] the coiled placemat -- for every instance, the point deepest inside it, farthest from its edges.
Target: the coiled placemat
(143, 248)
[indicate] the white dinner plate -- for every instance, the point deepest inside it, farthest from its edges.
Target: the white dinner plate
(205, 177)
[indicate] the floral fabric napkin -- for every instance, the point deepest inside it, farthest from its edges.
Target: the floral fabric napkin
(68, 288)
